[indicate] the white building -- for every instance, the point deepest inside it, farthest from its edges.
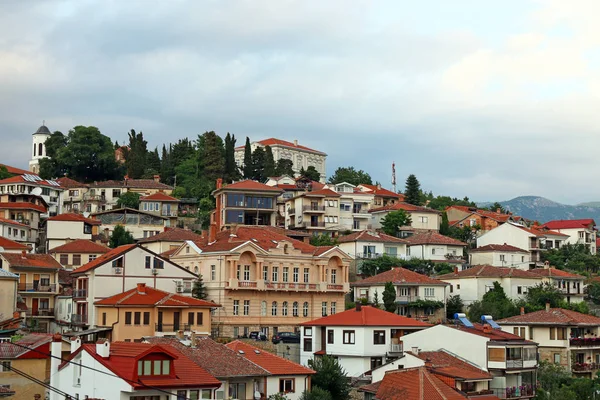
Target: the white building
(301, 156)
(127, 371)
(422, 218)
(435, 247)
(417, 296)
(64, 228)
(21, 186)
(372, 244)
(571, 286)
(510, 359)
(141, 224)
(119, 270)
(579, 231)
(16, 232)
(362, 338)
(39, 148)
(500, 255)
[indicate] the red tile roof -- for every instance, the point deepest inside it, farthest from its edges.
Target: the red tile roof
(446, 364)
(133, 183)
(498, 247)
(432, 237)
(123, 357)
(23, 205)
(114, 253)
(278, 142)
(322, 193)
(370, 236)
(399, 276)
(173, 235)
(21, 179)
(547, 232)
(143, 295)
(12, 222)
(492, 334)
(8, 244)
(555, 316)
(81, 246)
(556, 273)
(250, 185)
(218, 359)
(69, 183)
(159, 197)
(72, 217)
(381, 192)
(273, 364)
(31, 260)
(415, 383)
(406, 207)
(570, 224)
(35, 344)
(366, 316)
(15, 170)
(487, 271)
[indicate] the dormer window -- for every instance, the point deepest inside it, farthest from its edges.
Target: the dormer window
(154, 367)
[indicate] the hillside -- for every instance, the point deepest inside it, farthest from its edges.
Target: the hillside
(542, 209)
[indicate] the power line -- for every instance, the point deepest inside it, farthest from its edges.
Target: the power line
(41, 383)
(138, 382)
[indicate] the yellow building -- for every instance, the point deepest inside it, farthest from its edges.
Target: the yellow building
(145, 311)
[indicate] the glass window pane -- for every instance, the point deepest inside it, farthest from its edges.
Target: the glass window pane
(157, 369)
(147, 367)
(140, 368)
(206, 393)
(166, 367)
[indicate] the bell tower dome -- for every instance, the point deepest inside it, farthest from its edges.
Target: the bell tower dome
(39, 147)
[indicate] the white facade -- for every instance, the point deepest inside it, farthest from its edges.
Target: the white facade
(38, 150)
(435, 252)
(405, 361)
(15, 231)
(495, 258)
(367, 249)
(33, 185)
(517, 236)
(63, 310)
(581, 235)
(420, 220)
(472, 289)
(59, 232)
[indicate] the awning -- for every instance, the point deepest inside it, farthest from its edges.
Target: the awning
(87, 332)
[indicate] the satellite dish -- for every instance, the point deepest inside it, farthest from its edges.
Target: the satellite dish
(37, 191)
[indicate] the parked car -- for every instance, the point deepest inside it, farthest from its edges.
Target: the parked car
(256, 335)
(286, 337)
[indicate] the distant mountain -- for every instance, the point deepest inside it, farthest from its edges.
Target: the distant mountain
(543, 210)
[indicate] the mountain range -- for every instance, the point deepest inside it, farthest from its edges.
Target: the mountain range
(541, 209)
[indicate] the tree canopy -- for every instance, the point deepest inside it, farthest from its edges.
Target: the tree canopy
(330, 377)
(412, 191)
(389, 297)
(129, 200)
(120, 236)
(391, 223)
(351, 176)
(136, 156)
(310, 173)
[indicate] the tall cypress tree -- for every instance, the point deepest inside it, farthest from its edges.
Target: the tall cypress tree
(412, 193)
(136, 157)
(166, 166)
(269, 163)
(231, 170)
(258, 164)
(213, 160)
(248, 172)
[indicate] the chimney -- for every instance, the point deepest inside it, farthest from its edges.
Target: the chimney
(56, 353)
(498, 210)
(522, 310)
(75, 344)
(547, 307)
(547, 265)
(23, 253)
(103, 348)
(218, 206)
(141, 288)
(156, 178)
(193, 340)
(358, 306)
(295, 142)
(428, 363)
(379, 186)
(219, 183)
(212, 233)
(415, 350)
(179, 335)
(487, 328)
(455, 270)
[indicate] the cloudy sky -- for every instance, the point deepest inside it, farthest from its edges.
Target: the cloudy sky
(489, 100)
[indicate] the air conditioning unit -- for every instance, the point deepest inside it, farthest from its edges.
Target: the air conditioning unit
(179, 289)
(154, 271)
(118, 270)
(179, 284)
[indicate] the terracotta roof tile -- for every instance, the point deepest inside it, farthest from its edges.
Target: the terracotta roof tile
(279, 142)
(31, 260)
(33, 341)
(370, 236)
(15, 170)
(432, 237)
(72, 217)
(556, 273)
(173, 235)
(69, 183)
(488, 271)
(8, 244)
(406, 207)
(399, 276)
(12, 222)
(114, 253)
(146, 296)
(570, 224)
(250, 186)
(366, 316)
(81, 246)
(415, 383)
(159, 197)
(498, 247)
(447, 364)
(371, 388)
(492, 334)
(23, 205)
(555, 316)
(40, 182)
(272, 363)
(382, 192)
(322, 193)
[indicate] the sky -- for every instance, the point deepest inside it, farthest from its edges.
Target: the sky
(489, 100)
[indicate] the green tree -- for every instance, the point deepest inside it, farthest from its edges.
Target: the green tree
(323, 239)
(269, 169)
(389, 297)
(593, 292)
(167, 168)
(351, 176)
(392, 222)
(212, 156)
(278, 396)
(129, 200)
(4, 172)
(412, 192)
(248, 169)
(538, 295)
(232, 173)
(376, 302)
(137, 155)
(442, 202)
(258, 164)
(445, 225)
(316, 394)
(50, 167)
(454, 305)
(120, 236)
(199, 290)
(330, 376)
(285, 167)
(311, 173)
(551, 377)
(494, 303)
(205, 208)
(152, 164)
(497, 207)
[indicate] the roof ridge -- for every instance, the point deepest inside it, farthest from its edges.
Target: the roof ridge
(133, 292)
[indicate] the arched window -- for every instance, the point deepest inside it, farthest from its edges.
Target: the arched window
(295, 309)
(34, 149)
(284, 309)
(196, 270)
(40, 149)
(305, 309)
(263, 308)
(274, 309)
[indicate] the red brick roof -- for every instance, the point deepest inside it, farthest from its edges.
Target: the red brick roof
(218, 359)
(250, 185)
(72, 217)
(36, 343)
(556, 273)
(415, 383)
(406, 207)
(279, 142)
(23, 205)
(446, 364)
(547, 232)
(273, 364)
(492, 334)
(322, 193)
(12, 222)
(159, 197)
(370, 236)
(123, 357)
(555, 316)
(570, 224)
(498, 247)
(381, 192)
(81, 246)
(15, 170)
(114, 253)
(366, 316)
(432, 237)
(173, 235)
(133, 183)
(21, 179)
(31, 260)
(8, 244)
(69, 183)
(146, 296)
(399, 276)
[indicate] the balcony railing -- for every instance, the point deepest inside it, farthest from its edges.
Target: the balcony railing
(171, 327)
(406, 299)
(582, 342)
(250, 284)
(585, 367)
(514, 363)
(170, 214)
(37, 287)
(79, 319)
(80, 294)
(43, 312)
(514, 392)
(313, 209)
(313, 224)
(369, 255)
(94, 197)
(396, 348)
(335, 287)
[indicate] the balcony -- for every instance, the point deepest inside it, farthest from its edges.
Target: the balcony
(171, 327)
(369, 255)
(247, 284)
(291, 211)
(286, 286)
(585, 367)
(331, 286)
(37, 287)
(94, 197)
(313, 209)
(80, 294)
(396, 348)
(79, 319)
(169, 214)
(42, 312)
(313, 224)
(361, 213)
(516, 363)
(514, 392)
(406, 299)
(585, 342)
